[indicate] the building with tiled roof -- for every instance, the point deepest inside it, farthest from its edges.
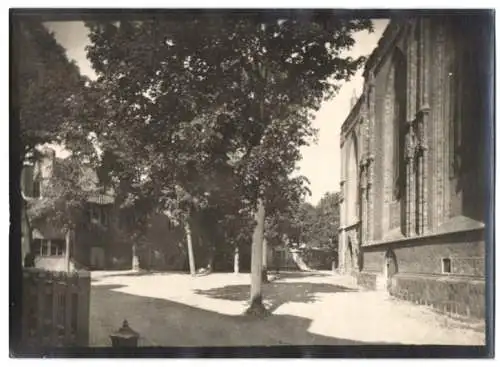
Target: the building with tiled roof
(99, 239)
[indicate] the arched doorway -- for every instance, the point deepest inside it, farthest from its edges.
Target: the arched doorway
(390, 269)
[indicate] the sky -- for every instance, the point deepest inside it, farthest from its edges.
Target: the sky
(321, 161)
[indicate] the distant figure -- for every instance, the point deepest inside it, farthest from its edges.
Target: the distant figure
(29, 260)
(204, 271)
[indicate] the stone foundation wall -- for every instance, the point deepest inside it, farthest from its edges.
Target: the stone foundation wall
(465, 250)
(373, 260)
(420, 275)
(424, 255)
(452, 295)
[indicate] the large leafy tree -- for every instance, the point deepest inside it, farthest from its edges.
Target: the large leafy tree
(305, 223)
(328, 221)
(184, 100)
(318, 228)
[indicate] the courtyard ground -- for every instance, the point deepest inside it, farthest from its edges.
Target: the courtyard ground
(173, 309)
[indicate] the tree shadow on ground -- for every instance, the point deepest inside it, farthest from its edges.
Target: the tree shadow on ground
(275, 294)
(139, 273)
(166, 323)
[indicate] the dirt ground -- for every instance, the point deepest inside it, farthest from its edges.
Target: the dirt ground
(173, 309)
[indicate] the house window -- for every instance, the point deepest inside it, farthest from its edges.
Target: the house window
(94, 214)
(37, 247)
(44, 247)
(57, 247)
(123, 221)
(36, 189)
(98, 214)
(446, 265)
(128, 220)
(104, 216)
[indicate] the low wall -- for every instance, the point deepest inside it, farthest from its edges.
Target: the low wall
(55, 308)
(453, 295)
(53, 263)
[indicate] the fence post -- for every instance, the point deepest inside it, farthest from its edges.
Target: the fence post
(40, 283)
(83, 281)
(68, 290)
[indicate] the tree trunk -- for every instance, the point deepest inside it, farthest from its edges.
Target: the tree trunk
(67, 250)
(135, 258)
(187, 228)
(210, 262)
(256, 307)
(236, 260)
(265, 279)
(150, 258)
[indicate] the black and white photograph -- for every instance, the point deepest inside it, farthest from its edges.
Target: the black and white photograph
(311, 182)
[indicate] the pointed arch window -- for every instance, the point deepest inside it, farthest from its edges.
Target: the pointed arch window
(453, 89)
(399, 121)
(352, 189)
(36, 189)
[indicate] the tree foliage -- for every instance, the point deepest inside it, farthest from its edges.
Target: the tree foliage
(303, 223)
(214, 103)
(64, 195)
(328, 221)
(50, 89)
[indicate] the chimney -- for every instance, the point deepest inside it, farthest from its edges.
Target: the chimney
(47, 159)
(45, 169)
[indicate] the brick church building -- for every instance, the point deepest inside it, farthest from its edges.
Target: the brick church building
(416, 178)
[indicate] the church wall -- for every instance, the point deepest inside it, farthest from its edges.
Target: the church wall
(439, 218)
(380, 130)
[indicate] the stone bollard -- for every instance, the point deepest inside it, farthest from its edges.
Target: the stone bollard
(124, 337)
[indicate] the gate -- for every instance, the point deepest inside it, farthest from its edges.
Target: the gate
(55, 308)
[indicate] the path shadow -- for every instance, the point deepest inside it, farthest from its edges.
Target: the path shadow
(109, 287)
(297, 274)
(165, 323)
(276, 294)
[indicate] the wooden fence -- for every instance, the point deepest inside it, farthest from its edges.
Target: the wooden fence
(55, 308)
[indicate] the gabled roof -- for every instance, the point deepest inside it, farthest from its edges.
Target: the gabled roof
(89, 182)
(383, 46)
(371, 66)
(88, 178)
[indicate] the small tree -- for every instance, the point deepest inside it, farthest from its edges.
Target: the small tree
(328, 221)
(63, 200)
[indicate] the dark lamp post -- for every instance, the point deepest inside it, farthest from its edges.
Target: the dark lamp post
(125, 336)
